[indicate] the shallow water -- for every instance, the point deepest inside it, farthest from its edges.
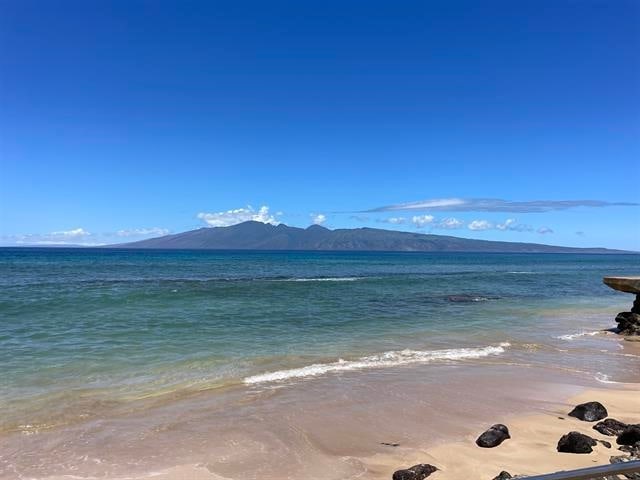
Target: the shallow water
(112, 355)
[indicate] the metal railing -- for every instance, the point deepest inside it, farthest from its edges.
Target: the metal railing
(591, 473)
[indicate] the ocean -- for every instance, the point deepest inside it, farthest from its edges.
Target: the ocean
(107, 355)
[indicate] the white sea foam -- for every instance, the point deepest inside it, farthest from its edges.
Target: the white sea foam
(603, 378)
(386, 359)
(573, 336)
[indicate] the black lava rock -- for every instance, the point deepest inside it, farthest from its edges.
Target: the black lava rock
(576, 442)
(610, 427)
(503, 476)
(633, 450)
(493, 437)
(629, 435)
(589, 412)
(417, 472)
(628, 323)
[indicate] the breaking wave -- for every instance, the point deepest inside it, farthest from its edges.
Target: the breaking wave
(386, 359)
(573, 336)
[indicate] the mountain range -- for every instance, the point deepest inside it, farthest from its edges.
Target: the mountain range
(253, 235)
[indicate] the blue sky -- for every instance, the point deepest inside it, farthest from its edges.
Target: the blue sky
(128, 119)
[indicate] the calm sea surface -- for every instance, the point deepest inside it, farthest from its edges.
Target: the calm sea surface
(98, 332)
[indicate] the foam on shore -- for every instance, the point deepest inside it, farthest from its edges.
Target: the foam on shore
(573, 336)
(386, 359)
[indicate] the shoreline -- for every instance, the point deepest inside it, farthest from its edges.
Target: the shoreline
(531, 449)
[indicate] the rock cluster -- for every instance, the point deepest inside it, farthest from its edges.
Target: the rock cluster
(627, 436)
(628, 323)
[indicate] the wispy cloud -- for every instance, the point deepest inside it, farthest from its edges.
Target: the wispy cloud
(143, 232)
(496, 205)
(239, 215)
(544, 230)
(76, 236)
(74, 233)
(393, 220)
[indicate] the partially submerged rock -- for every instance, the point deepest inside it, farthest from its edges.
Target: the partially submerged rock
(576, 442)
(589, 412)
(417, 472)
(466, 298)
(494, 436)
(629, 436)
(610, 427)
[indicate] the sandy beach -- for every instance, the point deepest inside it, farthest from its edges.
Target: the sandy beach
(531, 449)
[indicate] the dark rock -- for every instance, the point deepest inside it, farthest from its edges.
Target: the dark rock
(390, 444)
(503, 476)
(464, 298)
(628, 323)
(576, 442)
(417, 472)
(624, 459)
(610, 427)
(605, 443)
(589, 412)
(493, 437)
(629, 436)
(633, 450)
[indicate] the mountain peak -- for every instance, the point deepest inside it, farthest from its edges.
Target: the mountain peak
(316, 227)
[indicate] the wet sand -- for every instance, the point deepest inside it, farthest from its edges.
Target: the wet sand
(334, 427)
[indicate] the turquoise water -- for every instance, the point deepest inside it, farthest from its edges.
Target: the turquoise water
(124, 325)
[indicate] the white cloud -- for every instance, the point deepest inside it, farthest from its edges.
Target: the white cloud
(75, 233)
(544, 230)
(450, 223)
(319, 219)
(239, 215)
(140, 232)
(480, 225)
(513, 225)
(422, 220)
(509, 222)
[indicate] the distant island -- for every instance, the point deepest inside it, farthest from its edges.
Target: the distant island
(253, 235)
